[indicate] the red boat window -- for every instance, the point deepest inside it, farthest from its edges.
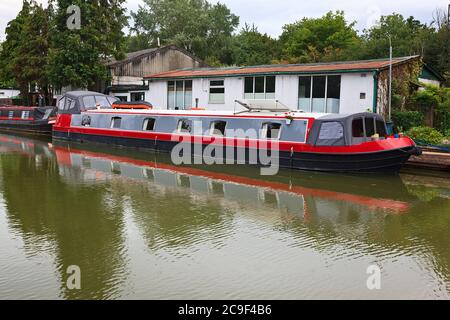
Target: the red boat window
(370, 126)
(102, 101)
(89, 102)
(381, 128)
(149, 124)
(116, 122)
(271, 130)
(61, 103)
(218, 128)
(70, 104)
(357, 128)
(184, 126)
(331, 134)
(25, 114)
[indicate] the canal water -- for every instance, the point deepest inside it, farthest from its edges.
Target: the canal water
(136, 226)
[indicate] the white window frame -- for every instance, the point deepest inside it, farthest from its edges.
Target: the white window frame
(175, 91)
(180, 122)
(111, 126)
(145, 123)
(134, 92)
(25, 114)
(264, 130)
(265, 87)
(212, 127)
(311, 76)
(218, 87)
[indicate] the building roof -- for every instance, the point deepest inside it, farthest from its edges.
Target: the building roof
(430, 73)
(131, 56)
(336, 67)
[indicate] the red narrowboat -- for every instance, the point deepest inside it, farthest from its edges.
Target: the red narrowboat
(36, 120)
(306, 141)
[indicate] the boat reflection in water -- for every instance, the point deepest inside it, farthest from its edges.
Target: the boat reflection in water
(141, 227)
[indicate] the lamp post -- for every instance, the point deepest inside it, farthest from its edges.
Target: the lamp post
(390, 77)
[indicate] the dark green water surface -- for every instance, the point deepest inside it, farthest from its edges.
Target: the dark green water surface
(139, 227)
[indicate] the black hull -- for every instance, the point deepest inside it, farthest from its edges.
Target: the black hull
(389, 161)
(38, 127)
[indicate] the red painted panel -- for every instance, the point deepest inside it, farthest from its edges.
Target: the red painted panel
(366, 147)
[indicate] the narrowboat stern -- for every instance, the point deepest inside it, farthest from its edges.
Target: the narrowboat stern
(36, 120)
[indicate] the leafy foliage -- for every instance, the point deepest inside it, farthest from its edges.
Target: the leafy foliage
(196, 25)
(405, 120)
(250, 47)
(426, 134)
(76, 57)
(427, 98)
(408, 37)
(318, 39)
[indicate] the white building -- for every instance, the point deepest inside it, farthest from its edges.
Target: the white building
(127, 74)
(8, 93)
(337, 87)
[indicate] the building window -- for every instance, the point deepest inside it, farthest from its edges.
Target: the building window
(122, 98)
(149, 124)
(179, 94)
(218, 128)
(319, 93)
(216, 91)
(362, 95)
(116, 122)
(259, 87)
(137, 96)
(271, 130)
(184, 126)
(25, 114)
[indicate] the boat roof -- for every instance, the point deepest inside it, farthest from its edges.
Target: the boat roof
(266, 114)
(214, 113)
(77, 94)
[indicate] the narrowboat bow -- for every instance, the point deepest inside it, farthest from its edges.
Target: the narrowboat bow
(306, 141)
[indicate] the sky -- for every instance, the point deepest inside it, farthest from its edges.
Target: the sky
(270, 15)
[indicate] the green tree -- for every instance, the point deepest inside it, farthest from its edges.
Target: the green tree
(24, 54)
(250, 47)
(201, 28)
(408, 37)
(319, 39)
(437, 49)
(14, 32)
(76, 57)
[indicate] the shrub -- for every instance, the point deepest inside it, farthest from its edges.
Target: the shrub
(405, 120)
(426, 134)
(427, 98)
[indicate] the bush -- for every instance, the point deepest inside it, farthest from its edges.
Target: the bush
(426, 134)
(405, 120)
